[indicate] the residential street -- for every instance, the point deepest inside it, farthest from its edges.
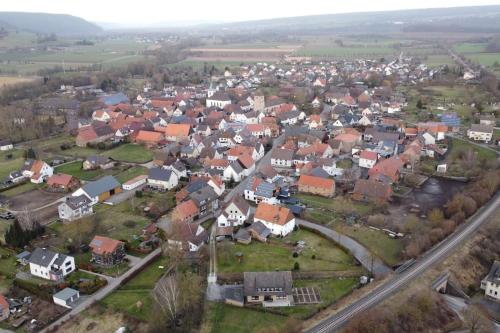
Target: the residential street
(398, 282)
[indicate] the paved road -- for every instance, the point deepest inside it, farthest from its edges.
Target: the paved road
(112, 285)
(362, 254)
(398, 282)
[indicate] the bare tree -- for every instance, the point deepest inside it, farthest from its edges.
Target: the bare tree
(475, 320)
(166, 294)
(28, 219)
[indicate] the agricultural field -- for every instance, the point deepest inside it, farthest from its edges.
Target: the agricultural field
(10, 80)
(134, 298)
(478, 54)
(438, 60)
(277, 254)
(65, 52)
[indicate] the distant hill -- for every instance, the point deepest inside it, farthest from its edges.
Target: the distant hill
(42, 23)
(458, 19)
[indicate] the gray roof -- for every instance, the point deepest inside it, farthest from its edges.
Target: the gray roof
(481, 128)
(42, 257)
(243, 235)
(282, 154)
(97, 159)
(23, 255)
(105, 184)
(265, 189)
(204, 195)
(77, 202)
(160, 174)
(66, 294)
(267, 283)
(260, 229)
(494, 274)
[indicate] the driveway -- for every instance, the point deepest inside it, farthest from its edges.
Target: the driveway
(99, 295)
(122, 196)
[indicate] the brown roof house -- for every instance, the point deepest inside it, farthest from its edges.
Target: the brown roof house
(107, 251)
(61, 182)
(4, 308)
(186, 212)
(279, 220)
(316, 185)
(372, 191)
(187, 236)
(271, 289)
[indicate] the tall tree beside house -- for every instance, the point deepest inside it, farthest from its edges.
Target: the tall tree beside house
(17, 237)
(30, 154)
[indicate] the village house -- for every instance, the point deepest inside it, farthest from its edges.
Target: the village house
(99, 190)
(93, 135)
(206, 200)
(278, 219)
(60, 182)
(186, 212)
(97, 162)
(4, 308)
(187, 236)
(38, 171)
(177, 132)
(271, 289)
(491, 283)
(478, 132)
(372, 191)
(148, 138)
(218, 100)
(367, 159)
(235, 213)
(107, 251)
(389, 168)
(75, 207)
(316, 185)
(6, 145)
(50, 265)
(282, 158)
(163, 179)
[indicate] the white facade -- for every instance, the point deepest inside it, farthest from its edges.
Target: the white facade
(366, 163)
(230, 173)
(281, 163)
(66, 301)
(217, 103)
(491, 289)
(6, 147)
(169, 184)
(46, 272)
(480, 136)
(135, 183)
(277, 229)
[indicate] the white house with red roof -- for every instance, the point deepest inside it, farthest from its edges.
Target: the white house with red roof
(367, 159)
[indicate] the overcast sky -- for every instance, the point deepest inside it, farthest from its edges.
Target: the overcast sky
(146, 12)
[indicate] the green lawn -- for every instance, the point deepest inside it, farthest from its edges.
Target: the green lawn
(459, 146)
(330, 291)
(7, 269)
(384, 247)
(277, 254)
(133, 172)
(7, 165)
(121, 172)
(353, 51)
(225, 318)
(438, 60)
(138, 290)
(337, 204)
(132, 153)
(469, 47)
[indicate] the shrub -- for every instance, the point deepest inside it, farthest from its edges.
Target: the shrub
(295, 255)
(139, 194)
(296, 266)
(313, 257)
(130, 224)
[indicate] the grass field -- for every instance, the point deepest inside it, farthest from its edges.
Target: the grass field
(330, 291)
(225, 318)
(438, 60)
(458, 146)
(7, 268)
(384, 247)
(130, 173)
(277, 255)
(9, 80)
(138, 290)
(7, 165)
(355, 51)
(337, 204)
(469, 47)
(132, 153)
(107, 52)
(75, 169)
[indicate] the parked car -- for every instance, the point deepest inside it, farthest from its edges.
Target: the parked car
(7, 216)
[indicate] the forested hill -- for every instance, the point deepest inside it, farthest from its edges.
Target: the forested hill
(43, 23)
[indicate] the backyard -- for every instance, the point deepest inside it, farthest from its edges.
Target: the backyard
(7, 269)
(318, 254)
(10, 161)
(131, 153)
(134, 298)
